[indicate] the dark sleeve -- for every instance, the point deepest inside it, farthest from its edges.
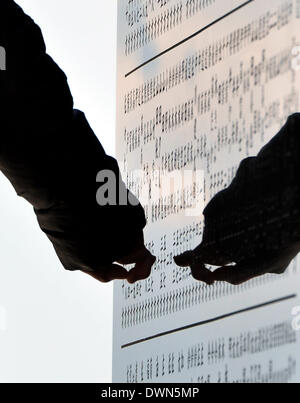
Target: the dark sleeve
(52, 157)
(260, 210)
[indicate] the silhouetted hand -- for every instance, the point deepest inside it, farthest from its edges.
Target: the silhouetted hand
(245, 238)
(239, 272)
(253, 227)
(141, 258)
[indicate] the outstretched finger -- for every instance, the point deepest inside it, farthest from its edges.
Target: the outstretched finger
(201, 273)
(109, 273)
(186, 259)
(203, 254)
(142, 268)
(239, 273)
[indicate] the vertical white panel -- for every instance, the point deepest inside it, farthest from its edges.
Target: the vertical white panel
(195, 92)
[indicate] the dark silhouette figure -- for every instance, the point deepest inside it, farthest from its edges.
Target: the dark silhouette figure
(52, 157)
(253, 227)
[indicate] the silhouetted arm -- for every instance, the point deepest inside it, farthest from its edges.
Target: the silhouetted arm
(52, 157)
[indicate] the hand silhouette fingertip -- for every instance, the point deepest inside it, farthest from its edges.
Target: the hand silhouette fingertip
(204, 279)
(184, 260)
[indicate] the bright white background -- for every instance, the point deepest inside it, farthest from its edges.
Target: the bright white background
(59, 324)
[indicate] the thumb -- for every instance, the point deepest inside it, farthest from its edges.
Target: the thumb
(185, 259)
